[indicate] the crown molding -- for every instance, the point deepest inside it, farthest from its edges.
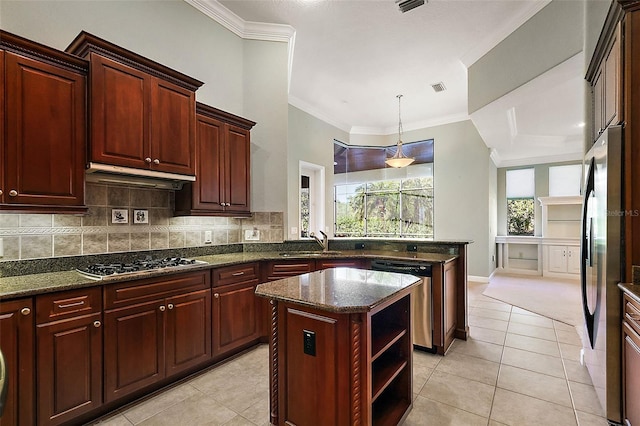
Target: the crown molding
(245, 29)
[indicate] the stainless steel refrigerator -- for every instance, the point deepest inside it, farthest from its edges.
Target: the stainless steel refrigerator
(601, 248)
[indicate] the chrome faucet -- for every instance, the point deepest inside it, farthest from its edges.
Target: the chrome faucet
(324, 242)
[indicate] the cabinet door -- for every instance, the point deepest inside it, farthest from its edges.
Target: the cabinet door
(612, 84)
(173, 128)
(557, 259)
(119, 115)
(631, 371)
(598, 99)
(188, 339)
(235, 323)
(69, 360)
(208, 188)
(133, 348)
(573, 260)
(2, 120)
(237, 173)
(45, 134)
(17, 345)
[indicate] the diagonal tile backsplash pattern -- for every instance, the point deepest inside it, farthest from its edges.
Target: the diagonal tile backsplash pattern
(32, 236)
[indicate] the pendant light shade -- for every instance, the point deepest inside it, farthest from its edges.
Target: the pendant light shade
(399, 159)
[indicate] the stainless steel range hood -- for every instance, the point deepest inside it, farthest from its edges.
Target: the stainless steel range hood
(127, 176)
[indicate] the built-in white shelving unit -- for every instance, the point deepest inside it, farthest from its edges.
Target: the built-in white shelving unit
(554, 254)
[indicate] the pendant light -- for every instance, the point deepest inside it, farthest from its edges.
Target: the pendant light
(399, 159)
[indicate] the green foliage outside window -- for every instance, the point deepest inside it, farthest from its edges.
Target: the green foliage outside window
(393, 208)
(520, 216)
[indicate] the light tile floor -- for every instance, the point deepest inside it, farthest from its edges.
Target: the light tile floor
(517, 368)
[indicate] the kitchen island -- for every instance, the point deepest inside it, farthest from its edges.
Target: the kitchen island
(340, 347)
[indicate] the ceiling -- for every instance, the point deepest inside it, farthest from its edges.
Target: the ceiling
(350, 58)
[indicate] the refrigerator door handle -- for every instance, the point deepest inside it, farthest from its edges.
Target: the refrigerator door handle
(586, 250)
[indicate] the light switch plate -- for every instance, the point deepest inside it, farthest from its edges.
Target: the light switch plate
(252, 235)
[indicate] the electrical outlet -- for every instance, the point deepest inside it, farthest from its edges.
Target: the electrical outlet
(412, 247)
(359, 246)
(207, 237)
(309, 342)
(252, 234)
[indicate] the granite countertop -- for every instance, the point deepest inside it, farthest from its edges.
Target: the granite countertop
(632, 290)
(339, 290)
(33, 284)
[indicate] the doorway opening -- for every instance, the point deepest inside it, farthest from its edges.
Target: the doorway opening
(311, 199)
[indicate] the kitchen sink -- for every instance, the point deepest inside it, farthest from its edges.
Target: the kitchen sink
(310, 253)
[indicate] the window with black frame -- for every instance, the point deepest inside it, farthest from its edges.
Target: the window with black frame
(372, 200)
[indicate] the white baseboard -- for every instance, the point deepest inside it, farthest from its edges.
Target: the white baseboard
(478, 279)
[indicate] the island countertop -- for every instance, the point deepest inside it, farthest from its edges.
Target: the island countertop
(339, 290)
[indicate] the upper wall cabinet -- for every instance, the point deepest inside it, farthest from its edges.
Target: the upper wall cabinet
(223, 158)
(142, 113)
(42, 127)
(605, 76)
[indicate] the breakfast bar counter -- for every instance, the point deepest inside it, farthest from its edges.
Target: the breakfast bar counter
(340, 347)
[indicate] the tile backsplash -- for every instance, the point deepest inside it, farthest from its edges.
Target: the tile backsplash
(32, 236)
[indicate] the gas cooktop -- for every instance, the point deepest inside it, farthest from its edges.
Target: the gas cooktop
(104, 271)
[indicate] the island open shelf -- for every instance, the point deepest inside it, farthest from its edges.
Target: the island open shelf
(340, 347)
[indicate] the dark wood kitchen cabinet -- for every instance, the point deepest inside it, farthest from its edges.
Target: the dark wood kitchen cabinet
(446, 306)
(68, 355)
(236, 309)
(43, 127)
(155, 328)
(278, 269)
(142, 113)
(631, 360)
(17, 345)
(605, 76)
(223, 159)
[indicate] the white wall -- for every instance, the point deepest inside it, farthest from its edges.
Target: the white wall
(550, 37)
(244, 77)
(310, 140)
(463, 173)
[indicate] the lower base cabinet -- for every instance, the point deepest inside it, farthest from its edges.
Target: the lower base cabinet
(236, 309)
(631, 361)
(17, 345)
(156, 337)
(69, 355)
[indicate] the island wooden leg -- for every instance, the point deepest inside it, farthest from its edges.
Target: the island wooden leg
(273, 364)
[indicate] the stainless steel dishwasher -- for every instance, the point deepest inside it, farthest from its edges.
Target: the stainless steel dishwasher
(421, 299)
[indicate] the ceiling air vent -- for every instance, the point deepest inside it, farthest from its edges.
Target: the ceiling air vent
(438, 87)
(407, 5)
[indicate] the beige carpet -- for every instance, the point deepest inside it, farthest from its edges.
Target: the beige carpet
(554, 298)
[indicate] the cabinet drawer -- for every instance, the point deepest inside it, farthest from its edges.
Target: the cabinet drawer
(278, 270)
(632, 313)
(140, 291)
(235, 274)
(67, 304)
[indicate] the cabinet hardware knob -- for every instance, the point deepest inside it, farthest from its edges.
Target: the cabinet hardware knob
(148, 160)
(0, 191)
(222, 204)
(97, 324)
(216, 295)
(156, 161)
(170, 306)
(162, 308)
(228, 204)
(13, 193)
(271, 301)
(25, 311)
